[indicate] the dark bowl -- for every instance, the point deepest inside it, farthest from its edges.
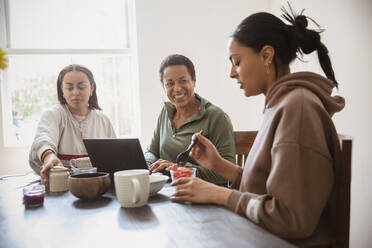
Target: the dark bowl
(89, 186)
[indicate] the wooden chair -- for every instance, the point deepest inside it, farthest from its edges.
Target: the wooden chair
(243, 144)
(342, 182)
(339, 238)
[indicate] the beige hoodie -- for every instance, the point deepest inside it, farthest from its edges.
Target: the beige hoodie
(287, 182)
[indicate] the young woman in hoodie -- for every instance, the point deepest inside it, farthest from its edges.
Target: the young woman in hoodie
(287, 182)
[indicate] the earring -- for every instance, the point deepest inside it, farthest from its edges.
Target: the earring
(267, 67)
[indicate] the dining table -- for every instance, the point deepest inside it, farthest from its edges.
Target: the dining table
(66, 221)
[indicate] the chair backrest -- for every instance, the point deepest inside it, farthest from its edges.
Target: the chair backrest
(243, 144)
(343, 181)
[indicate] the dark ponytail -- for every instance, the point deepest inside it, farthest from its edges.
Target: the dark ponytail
(260, 29)
(308, 40)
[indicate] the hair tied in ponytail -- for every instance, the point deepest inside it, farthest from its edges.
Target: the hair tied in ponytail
(298, 20)
(307, 40)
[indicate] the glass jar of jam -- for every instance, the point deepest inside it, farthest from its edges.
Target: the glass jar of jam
(33, 196)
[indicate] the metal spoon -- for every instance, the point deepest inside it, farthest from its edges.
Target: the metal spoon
(183, 157)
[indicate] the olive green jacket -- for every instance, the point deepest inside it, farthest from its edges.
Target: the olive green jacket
(166, 143)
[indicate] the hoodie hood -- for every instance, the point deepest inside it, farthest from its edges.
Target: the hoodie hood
(319, 85)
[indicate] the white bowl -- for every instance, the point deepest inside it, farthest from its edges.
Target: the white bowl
(157, 182)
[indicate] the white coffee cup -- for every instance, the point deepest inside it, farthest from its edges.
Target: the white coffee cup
(132, 187)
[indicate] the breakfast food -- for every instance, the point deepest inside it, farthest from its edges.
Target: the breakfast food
(179, 172)
(33, 196)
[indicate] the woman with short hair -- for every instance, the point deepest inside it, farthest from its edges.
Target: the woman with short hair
(185, 114)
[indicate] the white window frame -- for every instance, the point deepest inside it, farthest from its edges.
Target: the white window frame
(5, 44)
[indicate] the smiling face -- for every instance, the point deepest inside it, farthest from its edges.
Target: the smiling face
(178, 85)
(76, 89)
(248, 68)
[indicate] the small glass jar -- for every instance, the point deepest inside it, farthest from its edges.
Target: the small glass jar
(180, 172)
(58, 179)
(33, 196)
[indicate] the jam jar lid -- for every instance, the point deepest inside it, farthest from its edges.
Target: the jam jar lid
(37, 189)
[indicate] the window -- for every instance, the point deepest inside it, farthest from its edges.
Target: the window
(43, 36)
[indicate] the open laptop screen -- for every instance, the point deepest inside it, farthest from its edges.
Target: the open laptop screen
(111, 155)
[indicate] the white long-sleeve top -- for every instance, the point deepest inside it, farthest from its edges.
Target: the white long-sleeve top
(62, 132)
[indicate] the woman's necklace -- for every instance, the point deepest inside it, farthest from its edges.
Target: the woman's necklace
(80, 119)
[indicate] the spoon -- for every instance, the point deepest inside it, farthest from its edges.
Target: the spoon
(183, 157)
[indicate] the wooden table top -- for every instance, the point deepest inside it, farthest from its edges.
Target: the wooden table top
(66, 221)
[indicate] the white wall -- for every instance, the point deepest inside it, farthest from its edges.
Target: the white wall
(200, 29)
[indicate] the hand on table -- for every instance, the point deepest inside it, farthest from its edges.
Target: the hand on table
(196, 190)
(160, 165)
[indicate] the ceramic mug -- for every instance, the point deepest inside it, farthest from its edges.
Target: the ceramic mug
(132, 187)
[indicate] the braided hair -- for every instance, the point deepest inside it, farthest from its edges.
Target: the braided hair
(260, 29)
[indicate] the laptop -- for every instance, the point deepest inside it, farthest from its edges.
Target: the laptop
(115, 154)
